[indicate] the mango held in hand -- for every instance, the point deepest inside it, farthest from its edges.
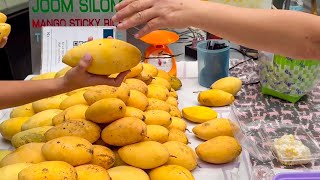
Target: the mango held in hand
(219, 150)
(215, 98)
(5, 30)
(231, 85)
(213, 128)
(109, 56)
(3, 18)
(170, 172)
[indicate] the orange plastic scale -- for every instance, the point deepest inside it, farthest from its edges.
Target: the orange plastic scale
(158, 53)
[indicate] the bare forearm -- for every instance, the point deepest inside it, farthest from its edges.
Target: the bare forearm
(288, 33)
(15, 93)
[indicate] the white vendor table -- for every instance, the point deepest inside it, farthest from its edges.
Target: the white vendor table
(187, 72)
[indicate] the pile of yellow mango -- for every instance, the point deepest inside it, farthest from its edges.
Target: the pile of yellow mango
(134, 131)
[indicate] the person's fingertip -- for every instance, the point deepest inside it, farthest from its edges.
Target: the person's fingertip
(87, 57)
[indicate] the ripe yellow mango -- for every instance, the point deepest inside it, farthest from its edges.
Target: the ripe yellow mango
(214, 150)
(231, 85)
(49, 75)
(157, 133)
(137, 84)
(175, 112)
(103, 91)
(83, 128)
(150, 69)
(22, 111)
(135, 71)
(74, 99)
(124, 131)
(178, 123)
(157, 117)
(62, 72)
(49, 103)
(157, 104)
(127, 172)
(145, 77)
(91, 171)
(177, 135)
(199, 114)
(78, 90)
(138, 100)
(4, 152)
(109, 56)
(181, 154)
(5, 30)
(11, 172)
(28, 153)
(57, 170)
(213, 128)
(3, 18)
(145, 154)
(164, 75)
(103, 156)
(173, 93)
(74, 112)
(35, 135)
(171, 172)
(71, 149)
(43, 118)
(10, 127)
(106, 110)
(172, 101)
(215, 98)
(176, 83)
(134, 112)
(162, 82)
(158, 92)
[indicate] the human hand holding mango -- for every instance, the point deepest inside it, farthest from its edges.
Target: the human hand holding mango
(78, 76)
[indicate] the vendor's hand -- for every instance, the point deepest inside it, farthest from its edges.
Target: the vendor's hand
(155, 13)
(3, 42)
(78, 76)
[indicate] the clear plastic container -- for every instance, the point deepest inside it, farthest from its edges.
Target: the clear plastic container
(259, 141)
(289, 151)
